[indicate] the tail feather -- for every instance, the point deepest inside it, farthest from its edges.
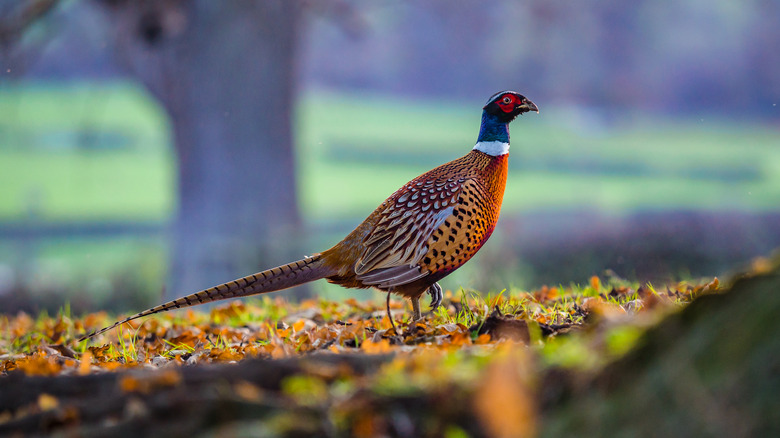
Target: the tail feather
(281, 277)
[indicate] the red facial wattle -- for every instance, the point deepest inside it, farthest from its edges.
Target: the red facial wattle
(507, 103)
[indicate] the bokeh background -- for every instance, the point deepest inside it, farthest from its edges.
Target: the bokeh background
(152, 148)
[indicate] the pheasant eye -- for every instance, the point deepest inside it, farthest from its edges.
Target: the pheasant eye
(507, 100)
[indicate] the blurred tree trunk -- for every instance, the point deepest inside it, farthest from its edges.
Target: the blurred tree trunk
(225, 73)
(16, 17)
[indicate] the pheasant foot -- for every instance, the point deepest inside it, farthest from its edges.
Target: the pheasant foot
(436, 296)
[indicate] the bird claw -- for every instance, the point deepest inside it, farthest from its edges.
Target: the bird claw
(436, 296)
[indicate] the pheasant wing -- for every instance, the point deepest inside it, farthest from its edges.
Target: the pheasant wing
(394, 248)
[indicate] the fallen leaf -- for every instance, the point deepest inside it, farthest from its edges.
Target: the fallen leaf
(47, 402)
(225, 355)
(504, 401)
(85, 364)
(595, 283)
(371, 347)
(100, 353)
(38, 365)
(145, 384)
(248, 391)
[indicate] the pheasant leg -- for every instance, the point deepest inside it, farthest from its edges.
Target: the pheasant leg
(390, 315)
(416, 314)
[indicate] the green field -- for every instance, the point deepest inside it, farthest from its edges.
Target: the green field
(373, 144)
(85, 151)
(102, 152)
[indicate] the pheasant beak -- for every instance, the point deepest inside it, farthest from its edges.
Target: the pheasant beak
(527, 106)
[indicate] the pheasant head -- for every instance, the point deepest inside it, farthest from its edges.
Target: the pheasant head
(498, 112)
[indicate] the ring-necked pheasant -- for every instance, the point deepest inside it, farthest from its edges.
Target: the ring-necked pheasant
(424, 231)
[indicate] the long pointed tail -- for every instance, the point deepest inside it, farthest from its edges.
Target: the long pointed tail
(281, 277)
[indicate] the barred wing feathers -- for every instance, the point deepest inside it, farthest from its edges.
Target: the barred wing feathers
(394, 248)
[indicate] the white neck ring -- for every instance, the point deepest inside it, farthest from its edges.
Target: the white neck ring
(494, 148)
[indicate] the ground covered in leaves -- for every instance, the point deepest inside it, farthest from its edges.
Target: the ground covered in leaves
(488, 351)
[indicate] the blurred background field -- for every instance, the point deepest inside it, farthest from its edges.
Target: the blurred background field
(651, 174)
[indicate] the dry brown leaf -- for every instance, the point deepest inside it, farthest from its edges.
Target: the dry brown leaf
(99, 353)
(129, 384)
(545, 294)
(371, 347)
(482, 339)
(163, 378)
(248, 391)
(225, 355)
(460, 338)
(504, 400)
(85, 364)
(47, 402)
(39, 365)
(600, 308)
